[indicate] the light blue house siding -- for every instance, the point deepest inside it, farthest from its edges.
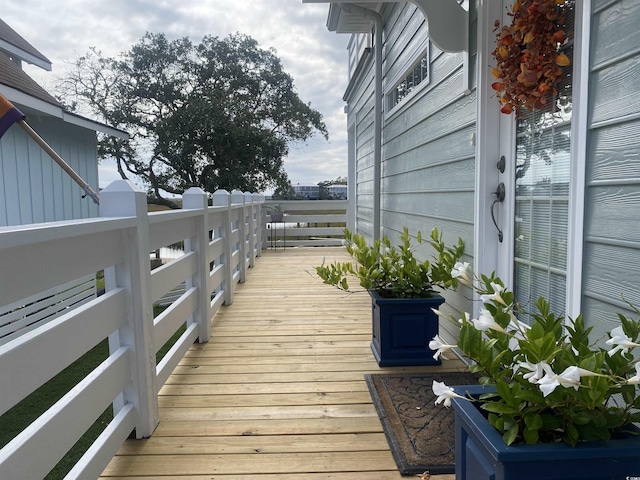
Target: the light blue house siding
(611, 264)
(33, 188)
(428, 151)
(361, 125)
(428, 172)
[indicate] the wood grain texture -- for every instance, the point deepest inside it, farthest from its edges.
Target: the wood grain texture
(278, 392)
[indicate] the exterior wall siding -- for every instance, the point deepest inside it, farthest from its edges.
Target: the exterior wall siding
(612, 195)
(33, 188)
(428, 153)
(363, 108)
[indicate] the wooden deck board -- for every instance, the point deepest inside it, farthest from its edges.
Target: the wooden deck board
(278, 392)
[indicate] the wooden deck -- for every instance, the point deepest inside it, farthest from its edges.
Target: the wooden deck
(278, 392)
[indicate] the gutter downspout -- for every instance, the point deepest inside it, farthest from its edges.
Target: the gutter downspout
(377, 126)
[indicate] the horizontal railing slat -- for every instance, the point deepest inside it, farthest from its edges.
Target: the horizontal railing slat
(166, 324)
(216, 248)
(174, 227)
(66, 258)
(74, 333)
(216, 278)
(175, 354)
(216, 302)
(100, 453)
(328, 218)
(306, 231)
(320, 242)
(168, 276)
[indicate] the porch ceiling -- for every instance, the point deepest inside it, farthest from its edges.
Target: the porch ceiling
(341, 21)
(448, 20)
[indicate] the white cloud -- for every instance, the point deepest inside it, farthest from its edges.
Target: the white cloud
(314, 57)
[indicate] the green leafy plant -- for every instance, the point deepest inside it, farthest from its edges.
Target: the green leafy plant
(394, 271)
(553, 383)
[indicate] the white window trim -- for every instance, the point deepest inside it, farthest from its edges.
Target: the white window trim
(579, 131)
(408, 67)
(488, 148)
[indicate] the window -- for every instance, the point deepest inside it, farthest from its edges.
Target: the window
(418, 74)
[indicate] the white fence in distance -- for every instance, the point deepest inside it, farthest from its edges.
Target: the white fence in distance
(305, 223)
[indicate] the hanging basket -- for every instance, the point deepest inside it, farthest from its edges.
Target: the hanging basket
(528, 54)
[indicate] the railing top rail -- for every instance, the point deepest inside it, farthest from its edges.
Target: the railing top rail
(22, 235)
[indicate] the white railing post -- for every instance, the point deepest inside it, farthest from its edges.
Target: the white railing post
(257, 215)
(222, 198)
(237, 198)
(123, 199)
(196, 199)
(251, 228)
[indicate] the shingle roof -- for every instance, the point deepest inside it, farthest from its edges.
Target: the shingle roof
(9, 35)
(13, 76)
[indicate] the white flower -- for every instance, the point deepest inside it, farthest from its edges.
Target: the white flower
(444, 393)
(440, 347)
(466, 318)
(536, 370)
(569, 378)
(486, 322)
(636, 378)
(621, 341)
(460, 271)
(497, 289)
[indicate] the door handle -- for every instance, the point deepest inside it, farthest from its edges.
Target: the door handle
(499, 193)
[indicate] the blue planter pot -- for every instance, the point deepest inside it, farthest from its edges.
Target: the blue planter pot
(402, 330)
(481, 454)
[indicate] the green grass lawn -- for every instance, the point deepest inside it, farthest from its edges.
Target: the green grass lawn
(20, 416)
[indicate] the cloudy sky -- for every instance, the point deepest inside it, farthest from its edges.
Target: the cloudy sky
(316, 58)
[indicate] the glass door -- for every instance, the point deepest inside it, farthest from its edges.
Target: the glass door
(539, 187)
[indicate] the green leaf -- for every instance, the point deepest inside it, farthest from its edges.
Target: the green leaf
(497, 407)
(533, 421)
(510, 435)
(531, 436)
(571, 435)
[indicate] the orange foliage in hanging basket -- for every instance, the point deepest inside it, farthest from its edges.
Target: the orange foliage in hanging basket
(528, 54)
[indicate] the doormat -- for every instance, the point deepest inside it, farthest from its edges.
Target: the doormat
(420, 433)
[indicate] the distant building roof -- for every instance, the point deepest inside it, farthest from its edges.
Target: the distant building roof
(18, 47)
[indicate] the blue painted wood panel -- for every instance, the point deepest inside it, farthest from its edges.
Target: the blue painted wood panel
(34, 188)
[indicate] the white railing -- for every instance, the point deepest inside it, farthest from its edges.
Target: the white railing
(220, 241)
(308, 223)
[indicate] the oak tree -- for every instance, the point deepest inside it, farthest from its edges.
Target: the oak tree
(219, 114)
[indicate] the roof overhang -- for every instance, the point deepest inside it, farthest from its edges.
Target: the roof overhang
(448, 20)
(35, 106)
(25, 56)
